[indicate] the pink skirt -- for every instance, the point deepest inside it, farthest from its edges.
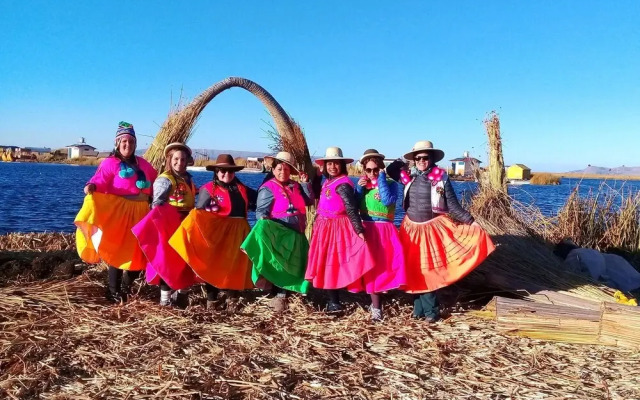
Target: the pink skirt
(388, 272)
(153, 233)
(338, 258)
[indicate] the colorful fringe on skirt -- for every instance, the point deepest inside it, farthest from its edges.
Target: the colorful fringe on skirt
(388, 272)
(440, 252)
(104, 231)
(338, 258)
(278, 254)
(153, 234)
(210, 244)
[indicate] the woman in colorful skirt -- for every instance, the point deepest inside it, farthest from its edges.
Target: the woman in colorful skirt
(377, 197)
(174, 195)
(438, 250)
(338, 254)
(277, 245)
(209, 238)
(117, 198)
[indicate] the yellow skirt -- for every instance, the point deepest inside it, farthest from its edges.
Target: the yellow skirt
(210, 244)
(104, 231)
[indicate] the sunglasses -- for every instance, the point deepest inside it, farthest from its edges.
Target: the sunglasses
(421, 158)
(370, 170)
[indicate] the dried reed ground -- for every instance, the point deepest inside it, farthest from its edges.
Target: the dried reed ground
(59, 340)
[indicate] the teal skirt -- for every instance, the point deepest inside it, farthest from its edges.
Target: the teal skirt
(279, 255)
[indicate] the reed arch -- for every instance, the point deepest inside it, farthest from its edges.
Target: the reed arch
(179, 125)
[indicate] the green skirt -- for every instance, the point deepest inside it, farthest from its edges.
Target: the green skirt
(279, 255)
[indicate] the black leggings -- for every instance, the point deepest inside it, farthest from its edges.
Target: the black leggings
(164, 287)
(121, 280)
(212, 292)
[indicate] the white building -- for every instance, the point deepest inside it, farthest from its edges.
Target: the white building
(81, 149)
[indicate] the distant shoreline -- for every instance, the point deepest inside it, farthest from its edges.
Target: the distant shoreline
(572, 175)
(592, 176)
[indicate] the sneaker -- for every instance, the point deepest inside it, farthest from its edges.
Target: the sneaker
(376, 314)
(165, 303)
(334, 307)
(278, 304)
(432, 320)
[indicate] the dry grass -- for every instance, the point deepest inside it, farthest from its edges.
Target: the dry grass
(545, 179)
(38, 241)
(60, 340)
(602, 220)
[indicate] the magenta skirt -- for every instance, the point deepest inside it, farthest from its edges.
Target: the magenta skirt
(338, 258)
(153, 233)
(388, 270)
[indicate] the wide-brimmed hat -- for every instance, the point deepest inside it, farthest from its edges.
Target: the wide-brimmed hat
(286, 158)
(333, 153)
(371, 153)
(225, 161)
(425, 146)
(177, 145)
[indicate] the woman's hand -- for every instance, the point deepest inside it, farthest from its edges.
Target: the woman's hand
(304, 178)
(362, 182)
(89, 188)
(475, 224)
(361, 236)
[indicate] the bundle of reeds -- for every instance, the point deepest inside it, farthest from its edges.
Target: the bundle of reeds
(497, 179)
(180, 122)
(523, 261)
(606, 323)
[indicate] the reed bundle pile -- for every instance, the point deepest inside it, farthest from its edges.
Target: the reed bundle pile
(588, 323)
(60, 340)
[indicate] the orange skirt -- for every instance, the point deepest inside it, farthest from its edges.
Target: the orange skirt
(210, 244)
(104, 231)
(440, 252)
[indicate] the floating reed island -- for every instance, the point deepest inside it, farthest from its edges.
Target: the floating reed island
(59, 339)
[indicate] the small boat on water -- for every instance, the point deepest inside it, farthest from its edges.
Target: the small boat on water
(518, 182)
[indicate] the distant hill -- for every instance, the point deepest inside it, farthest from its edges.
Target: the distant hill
(594, 170)
(213, 153)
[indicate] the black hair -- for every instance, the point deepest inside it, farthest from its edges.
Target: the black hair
(343, 168)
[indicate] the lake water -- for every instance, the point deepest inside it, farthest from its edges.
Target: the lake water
(47, 197)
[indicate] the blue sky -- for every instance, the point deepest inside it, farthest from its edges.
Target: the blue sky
(563, 75)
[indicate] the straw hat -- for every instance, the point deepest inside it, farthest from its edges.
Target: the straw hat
(333, 153)
(423, 146)
(177, 145)
(371, 153)
(225, 161)
(286, 158)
